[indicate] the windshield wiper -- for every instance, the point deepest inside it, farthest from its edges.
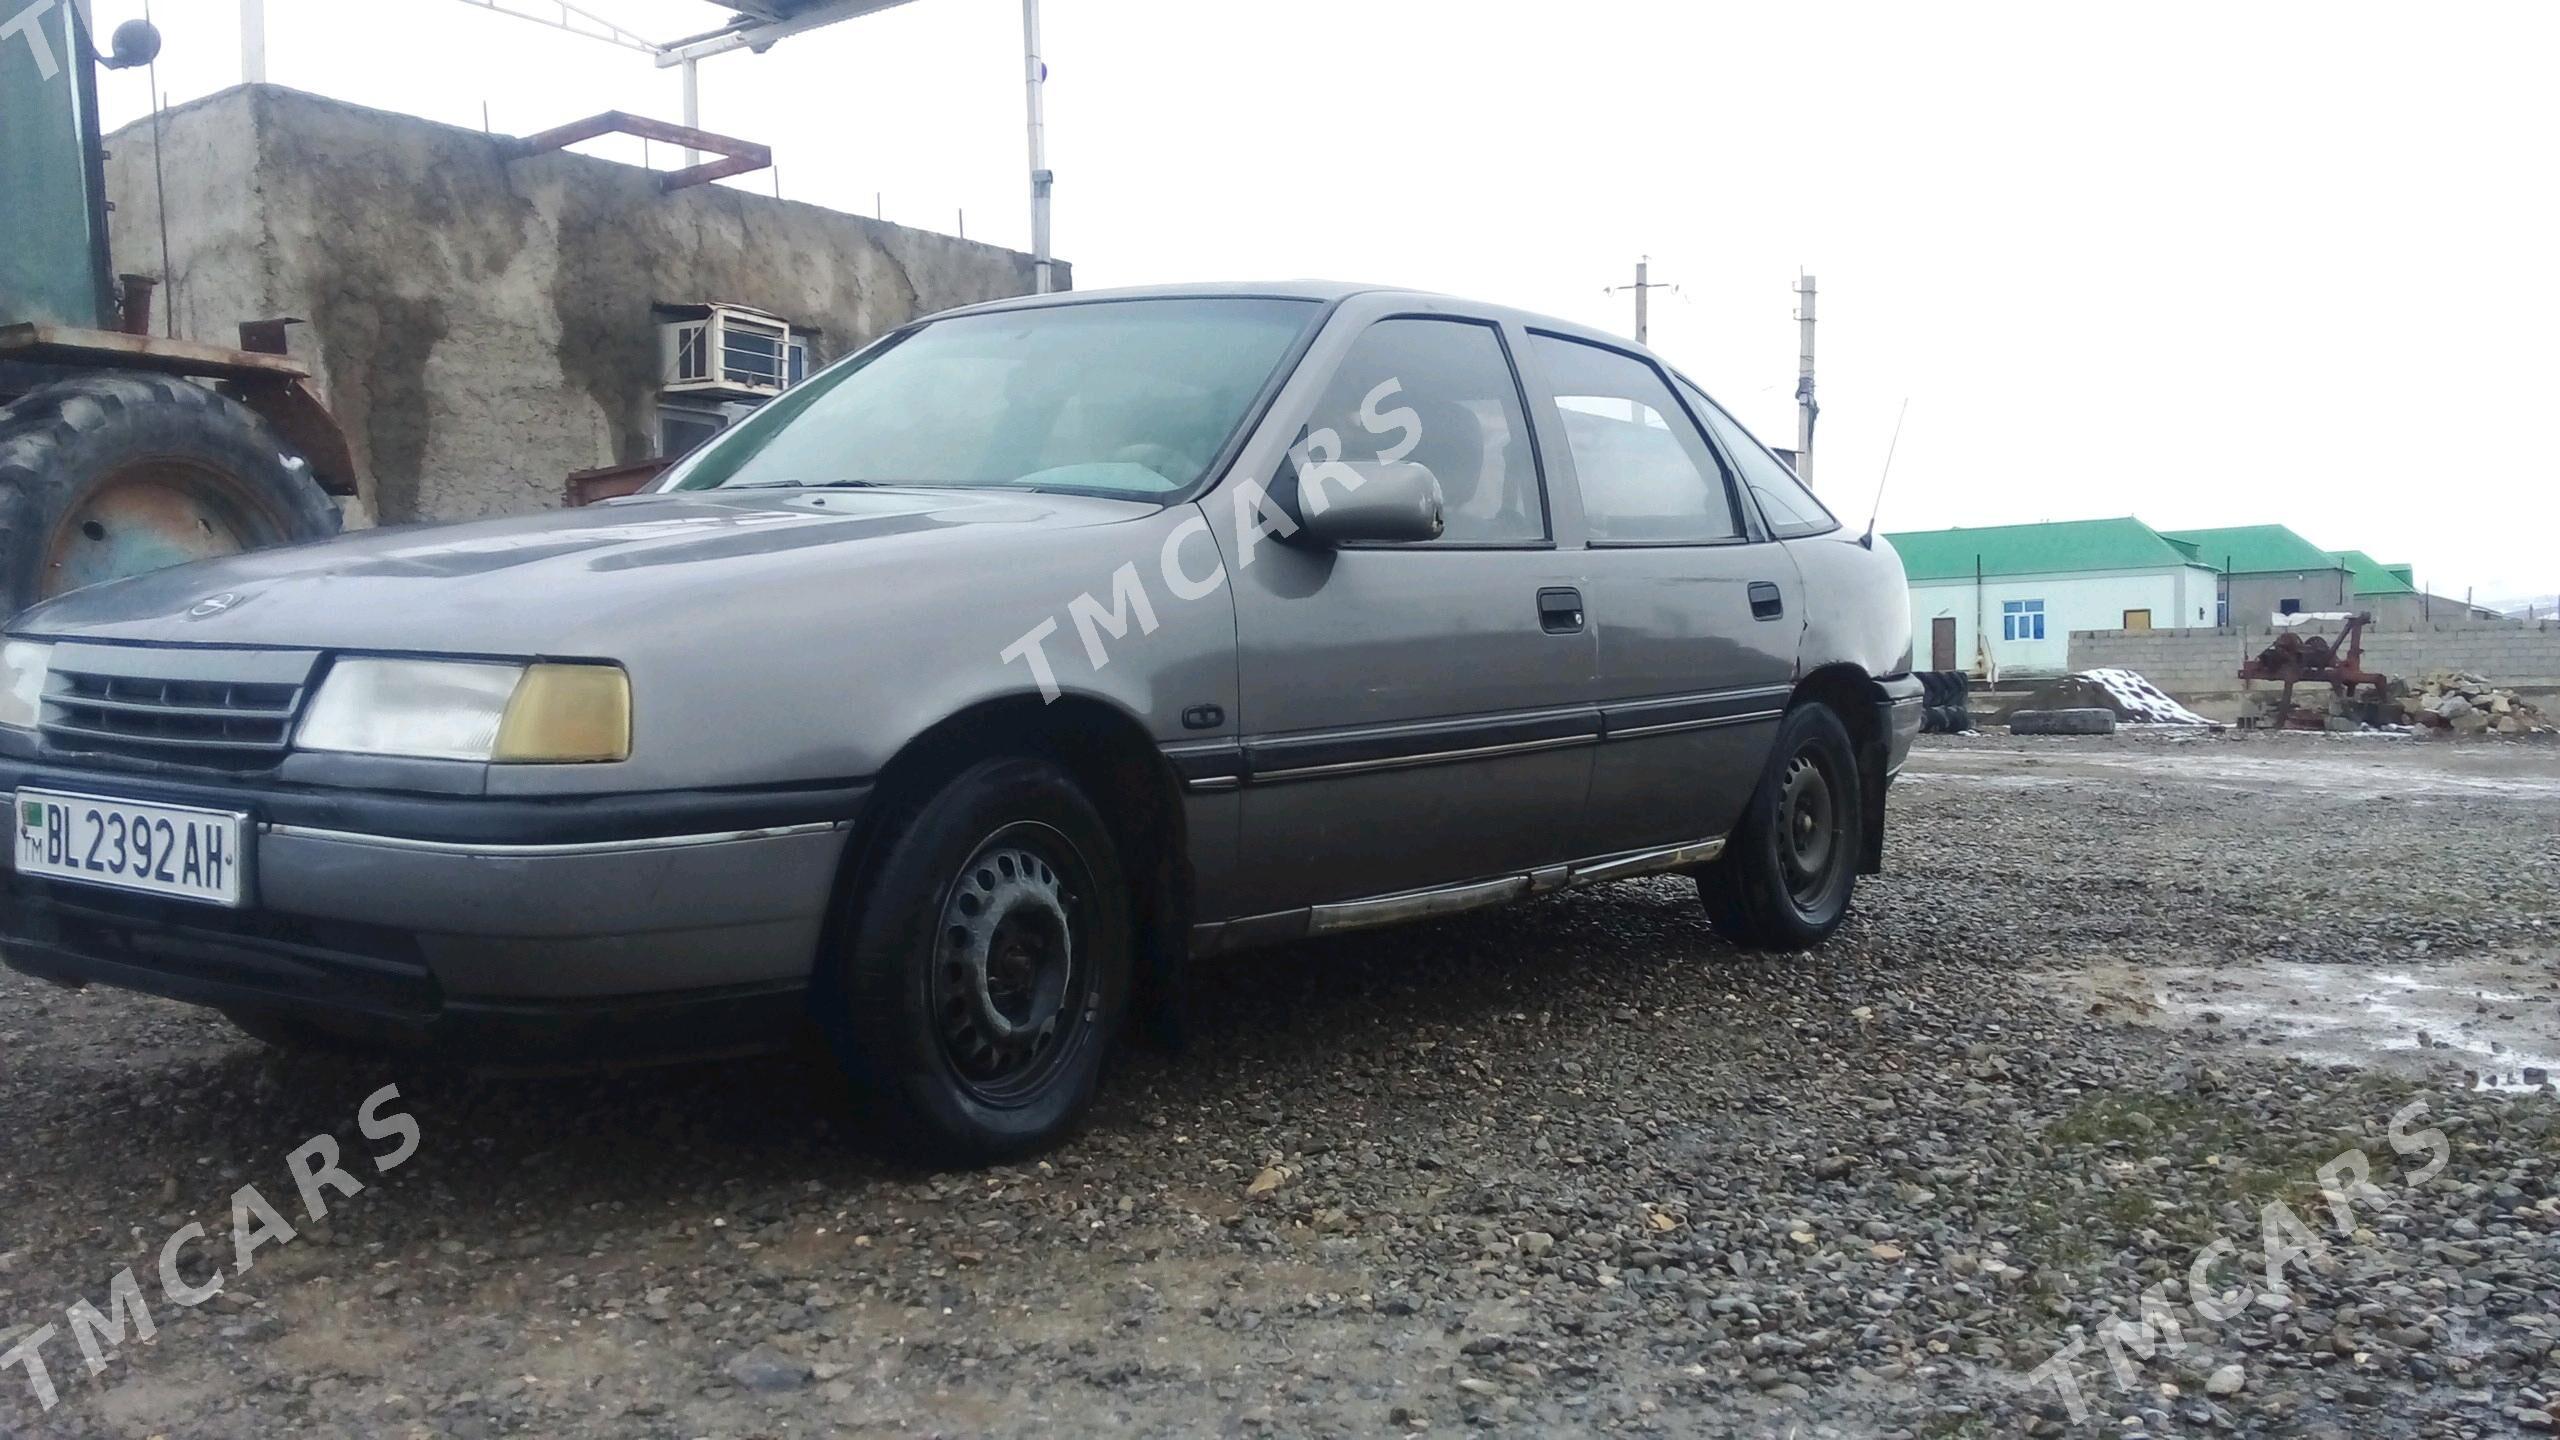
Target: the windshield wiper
(808, 485)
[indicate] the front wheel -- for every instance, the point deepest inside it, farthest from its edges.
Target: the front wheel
(982, 967)
(1784, 878)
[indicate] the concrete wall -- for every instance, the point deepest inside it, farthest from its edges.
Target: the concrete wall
(481, 326)
(2079, 600)
(2254, 597)
(2423, 610)
(2205, 662)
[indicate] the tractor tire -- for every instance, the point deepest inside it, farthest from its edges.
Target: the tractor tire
(2063, 722)
(118, 473)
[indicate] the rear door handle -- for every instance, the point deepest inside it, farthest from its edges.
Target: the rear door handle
(1765, 604)
(1560, 610)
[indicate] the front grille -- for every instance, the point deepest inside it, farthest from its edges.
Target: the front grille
(231, 709)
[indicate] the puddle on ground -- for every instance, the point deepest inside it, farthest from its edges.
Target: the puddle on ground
(2495, 1021)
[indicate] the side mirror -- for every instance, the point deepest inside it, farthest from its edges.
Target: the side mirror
(1345, 502)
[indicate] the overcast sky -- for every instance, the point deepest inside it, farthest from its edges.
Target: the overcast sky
(2207, 264)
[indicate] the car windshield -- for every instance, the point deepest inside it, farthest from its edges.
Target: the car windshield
(1131, 398)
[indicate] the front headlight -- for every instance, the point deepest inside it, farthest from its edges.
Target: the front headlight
(22, 667)
(471, 710)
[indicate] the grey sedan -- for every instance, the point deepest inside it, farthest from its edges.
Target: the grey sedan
(953, 701)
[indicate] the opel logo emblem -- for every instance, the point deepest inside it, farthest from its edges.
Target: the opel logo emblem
(216, 604)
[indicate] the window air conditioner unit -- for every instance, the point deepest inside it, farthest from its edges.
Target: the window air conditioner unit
(730, 350)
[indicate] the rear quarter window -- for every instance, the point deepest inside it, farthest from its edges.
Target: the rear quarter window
(1784, 501)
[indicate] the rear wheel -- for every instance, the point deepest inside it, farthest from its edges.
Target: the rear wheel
(1784, 879)
(981, 971)
(109, 475)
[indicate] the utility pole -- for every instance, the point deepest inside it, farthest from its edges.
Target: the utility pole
(1806, 409)
(1643, 265)
(253, 42)
(692, 106)
(1035, 73)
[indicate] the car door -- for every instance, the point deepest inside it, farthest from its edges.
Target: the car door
(1416, 714)
(1695, 613)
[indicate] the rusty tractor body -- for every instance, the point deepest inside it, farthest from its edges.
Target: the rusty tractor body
(2295, 658)
(122, 451)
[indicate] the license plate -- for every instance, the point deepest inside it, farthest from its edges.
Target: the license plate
(124, 845)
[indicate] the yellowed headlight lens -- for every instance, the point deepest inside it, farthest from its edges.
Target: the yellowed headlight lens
(567, 714)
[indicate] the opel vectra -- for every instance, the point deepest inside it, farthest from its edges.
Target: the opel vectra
(953, 700)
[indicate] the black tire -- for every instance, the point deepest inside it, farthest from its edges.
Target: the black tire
(917, 984)
(1784, 879)
(1933, 688)
(69, 446)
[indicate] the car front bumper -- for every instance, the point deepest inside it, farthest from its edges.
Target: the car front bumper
(557, 930)
(1898, 714)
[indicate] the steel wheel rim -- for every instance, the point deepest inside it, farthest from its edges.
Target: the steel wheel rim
(1809, 840)
(1011, 986)
(148, 516)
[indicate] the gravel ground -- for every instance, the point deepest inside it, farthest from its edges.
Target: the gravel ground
(1567, 1168)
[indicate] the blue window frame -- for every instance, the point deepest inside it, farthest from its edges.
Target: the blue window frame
(2021, 619)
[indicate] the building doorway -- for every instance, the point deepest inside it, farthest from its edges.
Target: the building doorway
(1942, 643)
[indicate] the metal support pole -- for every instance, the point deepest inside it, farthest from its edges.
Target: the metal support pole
(692, 106)
(1035, 73)
(1641, 286)
(1805, 408)
(253, 42)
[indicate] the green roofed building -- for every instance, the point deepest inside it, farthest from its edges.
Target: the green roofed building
(2003, 599)
(2272, 571)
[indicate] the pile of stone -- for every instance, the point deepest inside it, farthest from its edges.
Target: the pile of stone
(2468, 704)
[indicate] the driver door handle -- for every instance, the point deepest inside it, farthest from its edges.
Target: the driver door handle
(1560, 610)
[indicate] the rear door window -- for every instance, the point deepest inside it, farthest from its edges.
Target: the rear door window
(1646, 473)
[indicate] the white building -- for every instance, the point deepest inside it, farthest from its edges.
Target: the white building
(2004, 599)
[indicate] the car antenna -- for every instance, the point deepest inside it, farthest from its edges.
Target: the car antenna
(1869, 539)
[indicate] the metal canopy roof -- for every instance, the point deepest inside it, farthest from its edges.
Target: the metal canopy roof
(755, 24)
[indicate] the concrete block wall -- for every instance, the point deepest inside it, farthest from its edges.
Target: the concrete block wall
(484, 324)
(2192, 662)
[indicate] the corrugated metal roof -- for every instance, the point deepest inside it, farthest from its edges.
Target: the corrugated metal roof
(2255, 549)
(2052, 548)
(2372, 577)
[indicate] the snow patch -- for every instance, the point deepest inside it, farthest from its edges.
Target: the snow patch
(2139, 700)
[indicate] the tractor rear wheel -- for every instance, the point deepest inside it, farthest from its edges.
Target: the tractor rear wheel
(114, 474)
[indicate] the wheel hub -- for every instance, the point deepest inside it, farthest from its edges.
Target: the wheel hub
(1809, 827)
(147, 517)
(1007, 965)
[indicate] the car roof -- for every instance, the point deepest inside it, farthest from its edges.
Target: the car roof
(1326, 291)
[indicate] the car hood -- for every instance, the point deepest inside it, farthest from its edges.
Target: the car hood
(567, 582)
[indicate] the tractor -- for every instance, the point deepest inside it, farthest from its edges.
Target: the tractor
(122, 451)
